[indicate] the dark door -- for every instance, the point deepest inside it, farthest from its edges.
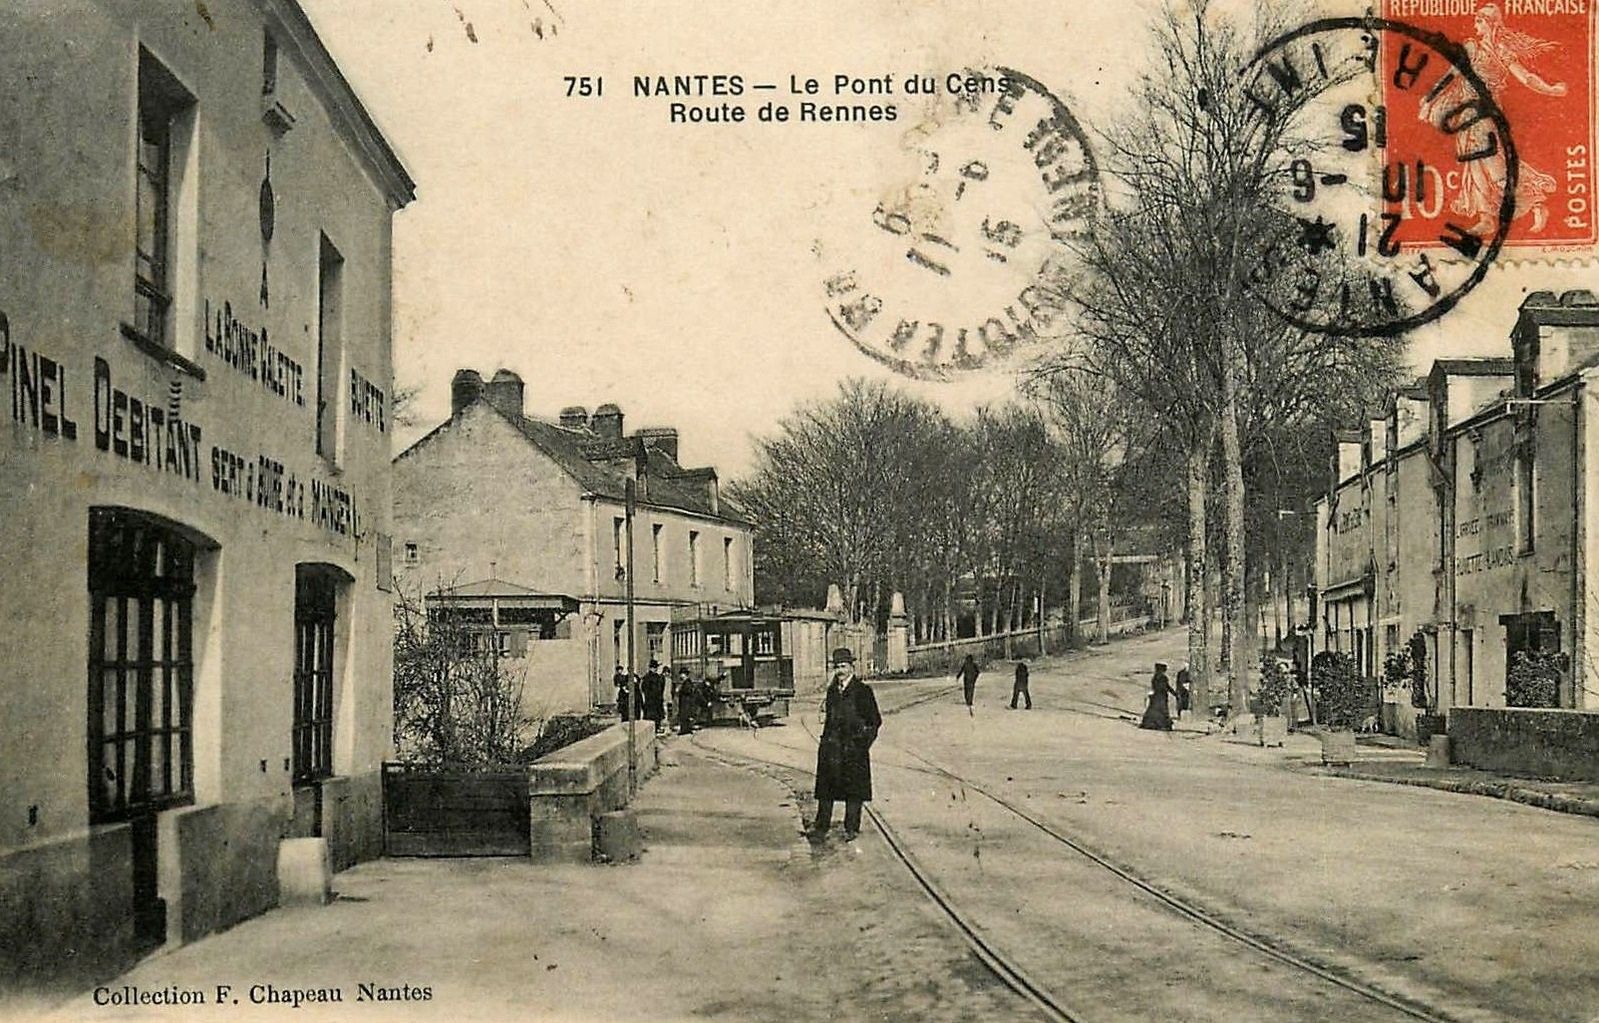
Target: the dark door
(315, 602)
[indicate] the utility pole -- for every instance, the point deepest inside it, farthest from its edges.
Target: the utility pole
(631, 494)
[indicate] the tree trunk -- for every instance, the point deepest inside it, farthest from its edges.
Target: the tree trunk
(1074, 594)
(1234, 611)
(1104, 548)
(1198, 612)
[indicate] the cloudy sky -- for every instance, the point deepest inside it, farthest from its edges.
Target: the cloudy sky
(677, 270)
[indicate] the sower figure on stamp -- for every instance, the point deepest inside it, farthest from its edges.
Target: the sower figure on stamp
(1019, 689)
(968, 675)
(843, 756)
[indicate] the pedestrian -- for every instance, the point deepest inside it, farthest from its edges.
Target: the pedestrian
(843, 756)
(1019, 688)
(968, 675)
(620, 680)
(1185, 692)
(1157, 714)
(654, 694)
(687, 702)
(708, 695)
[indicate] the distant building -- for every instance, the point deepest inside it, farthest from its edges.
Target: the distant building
(194, 471)
(498, 507)
(1460, 527)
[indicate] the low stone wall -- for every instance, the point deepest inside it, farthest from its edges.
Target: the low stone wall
(570, 788)
(1560, 744)
(66, 912)
(219, 864)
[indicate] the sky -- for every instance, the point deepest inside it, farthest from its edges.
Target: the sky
(607, 255)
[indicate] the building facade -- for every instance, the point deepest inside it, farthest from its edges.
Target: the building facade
(1459, 528)
(194, 364)
(494, 503)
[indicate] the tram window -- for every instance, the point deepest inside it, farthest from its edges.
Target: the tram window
(714, 643)
(763, 643)
(735, 644)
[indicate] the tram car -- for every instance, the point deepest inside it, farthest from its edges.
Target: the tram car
(741, 654)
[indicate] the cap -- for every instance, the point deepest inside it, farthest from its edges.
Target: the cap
(843, 656)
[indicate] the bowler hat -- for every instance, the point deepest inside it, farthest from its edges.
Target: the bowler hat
(1160, 665)
(843, 656)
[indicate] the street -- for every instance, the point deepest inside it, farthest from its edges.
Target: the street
(1408, 903)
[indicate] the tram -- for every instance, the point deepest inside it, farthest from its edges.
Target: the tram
(741, 654)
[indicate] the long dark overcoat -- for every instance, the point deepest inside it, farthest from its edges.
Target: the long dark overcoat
(843, 757)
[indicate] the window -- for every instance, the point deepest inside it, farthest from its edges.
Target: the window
(727, 563)
(1525, 504)
(329, 347)
(269, 65)
(618, 528)
(141, 666)
(693, 558)
(315, 602)
(655, 639)
(413, 556)
(163, 140)
(655, 546)
(1468, 651)
(619, 654)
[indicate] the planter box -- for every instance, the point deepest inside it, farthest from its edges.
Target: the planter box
(1338, 748)
(1427, 726)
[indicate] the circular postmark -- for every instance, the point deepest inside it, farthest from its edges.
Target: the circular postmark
(969, 264)
(1378, 116)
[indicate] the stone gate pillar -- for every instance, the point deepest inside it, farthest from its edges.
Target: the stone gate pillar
(899, 637)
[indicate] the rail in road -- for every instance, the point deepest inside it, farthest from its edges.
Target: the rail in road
(1194, 925)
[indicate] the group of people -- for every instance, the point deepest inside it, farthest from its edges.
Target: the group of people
(690, 696)
(1019, 690)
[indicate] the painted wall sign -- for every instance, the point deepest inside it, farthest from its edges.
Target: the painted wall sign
(141, 431)
(37, 388)
(252, 354)
(367, 402)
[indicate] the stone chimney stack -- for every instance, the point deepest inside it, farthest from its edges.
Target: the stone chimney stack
(505, 392)
(607, 422)
(575, 417)
(465, 388)
(1347, 461)
(661, 438)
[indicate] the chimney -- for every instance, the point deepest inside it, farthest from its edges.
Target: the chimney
(607, 422)
(661, 438)
(1347, 462)
(1377, 430)
(465, 388)
(504, 392)
(575, 417)
(1554, 337)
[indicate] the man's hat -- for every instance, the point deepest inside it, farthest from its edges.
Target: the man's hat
(843, 656)
(654, 663)
(1160, 665)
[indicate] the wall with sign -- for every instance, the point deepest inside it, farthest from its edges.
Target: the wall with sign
(275, 284)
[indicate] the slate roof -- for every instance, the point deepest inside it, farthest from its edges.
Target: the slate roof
(601, 466)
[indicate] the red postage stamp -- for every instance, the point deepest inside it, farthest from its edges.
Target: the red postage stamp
(1536, 58)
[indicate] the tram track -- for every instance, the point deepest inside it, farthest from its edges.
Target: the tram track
(1004, 967)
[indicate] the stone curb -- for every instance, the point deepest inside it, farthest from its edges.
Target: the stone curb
(1494, 789)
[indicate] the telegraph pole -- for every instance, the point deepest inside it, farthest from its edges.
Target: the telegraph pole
(631, 494)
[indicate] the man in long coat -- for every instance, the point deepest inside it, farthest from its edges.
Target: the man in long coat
(843, 757)
(652, 692)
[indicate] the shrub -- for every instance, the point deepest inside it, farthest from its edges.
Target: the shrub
(560, 731)
(1533, 680)
(1276, 682)
(1343, 696)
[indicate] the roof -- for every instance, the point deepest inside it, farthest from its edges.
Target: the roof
(602, 467)
(344, 107)
(500, 589)
(1483, 367)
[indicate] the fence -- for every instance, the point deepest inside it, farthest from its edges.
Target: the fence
(945, 655)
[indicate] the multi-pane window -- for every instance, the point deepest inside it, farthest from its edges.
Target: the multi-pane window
(141, 666)
(315, 607)
(618, 525)
(161, 100)
(693, 557)
(727, 563)
(329, 347)
(655, 546)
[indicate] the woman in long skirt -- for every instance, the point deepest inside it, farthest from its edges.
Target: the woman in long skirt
(1157, 714)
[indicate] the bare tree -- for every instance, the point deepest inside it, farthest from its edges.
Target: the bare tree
(456, 700)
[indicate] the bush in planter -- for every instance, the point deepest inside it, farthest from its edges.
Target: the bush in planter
(1276, 682)
(1533, 680)
(1418, 673)
(1341, 692)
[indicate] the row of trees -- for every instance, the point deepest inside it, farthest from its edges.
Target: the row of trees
(1176, 410)
(878, 491)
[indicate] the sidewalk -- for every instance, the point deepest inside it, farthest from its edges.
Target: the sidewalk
(729, 914)
(1381, 758)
